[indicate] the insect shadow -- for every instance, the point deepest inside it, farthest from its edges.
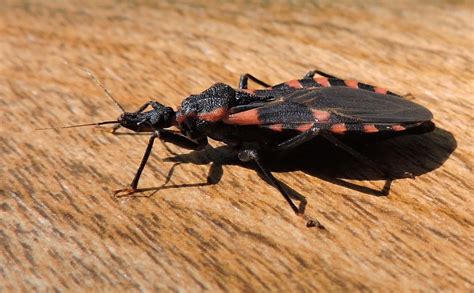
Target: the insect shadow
(417, 154)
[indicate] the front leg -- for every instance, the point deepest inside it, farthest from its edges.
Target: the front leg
(155, 105)
(183, 141)
(252, 155)
(167, 136)
(142, 108)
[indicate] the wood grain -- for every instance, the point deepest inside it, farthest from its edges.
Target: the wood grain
(62, 230)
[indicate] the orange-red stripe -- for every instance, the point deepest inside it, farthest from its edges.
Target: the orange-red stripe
(213, 116)
(249, 117)
(304, 127)
(323, 81)
(352, 83)
(276, 127)
(398, 127)
(296, 84)
(320, 115)
(338, 128)
(370, 128)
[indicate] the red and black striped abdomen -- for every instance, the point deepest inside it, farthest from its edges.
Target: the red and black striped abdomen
(316, 82)
(338, 109)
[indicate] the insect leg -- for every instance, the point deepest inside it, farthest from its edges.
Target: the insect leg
(252, 155)
(244, 78)
(143, 107)
(167, 136)
(298, 139)
(114, 128)
(134, 184)
(313, 72)
(180, 140)
(360, 157)
(153, 104)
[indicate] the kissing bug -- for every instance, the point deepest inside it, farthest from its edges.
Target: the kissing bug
(274, 118)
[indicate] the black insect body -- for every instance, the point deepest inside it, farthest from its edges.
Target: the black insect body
(276, 118)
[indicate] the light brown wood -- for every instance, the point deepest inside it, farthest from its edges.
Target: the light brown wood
(62, 229)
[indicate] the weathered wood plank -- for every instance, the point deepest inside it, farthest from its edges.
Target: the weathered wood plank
(62, 229)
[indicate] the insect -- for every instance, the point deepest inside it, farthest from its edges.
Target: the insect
(274, 118)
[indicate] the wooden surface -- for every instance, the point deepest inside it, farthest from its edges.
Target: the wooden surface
(62, 229)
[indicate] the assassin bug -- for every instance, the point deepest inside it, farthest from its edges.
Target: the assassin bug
(274, 118)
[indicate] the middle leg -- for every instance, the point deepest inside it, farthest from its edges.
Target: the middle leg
(252, 155)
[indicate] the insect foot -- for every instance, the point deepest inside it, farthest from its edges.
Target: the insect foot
(124, 192)
(310, 223)
(314, 223)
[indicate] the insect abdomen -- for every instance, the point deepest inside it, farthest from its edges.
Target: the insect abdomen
(316, 82)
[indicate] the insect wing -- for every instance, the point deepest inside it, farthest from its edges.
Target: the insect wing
(332, 105)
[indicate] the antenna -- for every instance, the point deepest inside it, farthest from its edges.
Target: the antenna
(79, 125)
(97, 82)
